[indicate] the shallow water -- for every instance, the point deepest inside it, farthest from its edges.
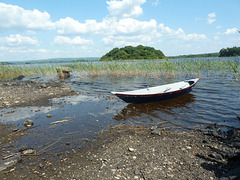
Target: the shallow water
(214, 99)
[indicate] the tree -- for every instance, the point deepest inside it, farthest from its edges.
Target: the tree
(229, 52)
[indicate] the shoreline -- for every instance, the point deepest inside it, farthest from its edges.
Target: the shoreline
(120, 152)
(126, 152)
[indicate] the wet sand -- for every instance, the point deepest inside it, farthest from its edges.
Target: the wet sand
(120, 152)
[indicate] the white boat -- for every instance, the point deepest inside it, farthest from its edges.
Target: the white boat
(157, 93)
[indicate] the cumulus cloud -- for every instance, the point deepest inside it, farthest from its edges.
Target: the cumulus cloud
(231, 31)
(125, 8)
(15, 17)
(112, 26)
(180, 34)
(74, 41)
(131, 40)
(18, 40)
(211, 18)
(71, 26)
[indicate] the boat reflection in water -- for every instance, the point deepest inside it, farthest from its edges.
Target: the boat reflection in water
(151, 111)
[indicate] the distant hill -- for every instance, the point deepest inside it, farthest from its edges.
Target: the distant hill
(53, 60)
(132, 53)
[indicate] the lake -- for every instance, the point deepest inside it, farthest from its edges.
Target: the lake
(214, 100)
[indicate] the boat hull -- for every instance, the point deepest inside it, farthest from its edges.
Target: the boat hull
(143, 98)
(153, 98)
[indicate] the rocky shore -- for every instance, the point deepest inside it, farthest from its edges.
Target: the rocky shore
(120, 152)
(15, 93)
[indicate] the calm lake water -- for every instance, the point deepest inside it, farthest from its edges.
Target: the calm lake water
(215, 99)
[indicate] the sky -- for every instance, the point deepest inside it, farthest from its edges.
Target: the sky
(43, 29)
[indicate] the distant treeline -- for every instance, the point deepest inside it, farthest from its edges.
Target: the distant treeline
(195, 56)
(230, 52)
(132, 53)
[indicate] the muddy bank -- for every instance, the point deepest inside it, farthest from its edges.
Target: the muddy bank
(125, 152)
(14, 93)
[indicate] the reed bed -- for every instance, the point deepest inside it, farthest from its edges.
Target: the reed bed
(13, 71)
(161, 68)
(166, 68)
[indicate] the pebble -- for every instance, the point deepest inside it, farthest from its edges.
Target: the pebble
(48, 115)
(28, 123)
(156, 132)
(131, 149)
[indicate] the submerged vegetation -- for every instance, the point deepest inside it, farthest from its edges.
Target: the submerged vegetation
(165, 68)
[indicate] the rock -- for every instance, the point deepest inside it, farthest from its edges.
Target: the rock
(216, 156)
(28, 123)
(41, 165)
(28, 151)
(20, 77)
(131, 149)
(48, 115)
(64, 72)
(43, 85)
(156, 132)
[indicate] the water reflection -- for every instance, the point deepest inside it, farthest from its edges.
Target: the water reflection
(134, 110)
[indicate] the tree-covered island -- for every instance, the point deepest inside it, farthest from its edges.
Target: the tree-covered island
(149, 53)
(133, 53)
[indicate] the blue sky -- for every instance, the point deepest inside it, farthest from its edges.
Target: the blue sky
(41, 29)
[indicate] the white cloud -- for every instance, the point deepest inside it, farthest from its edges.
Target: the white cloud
(15, 17)
(125, 8)
(211, 18)
(18, 40)
(75, 41)
(180, 34)
(231, 31)
(109, 26)
(118, 41)
(70, 26)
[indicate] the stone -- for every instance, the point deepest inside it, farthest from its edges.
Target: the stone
(48, 115)
(131, 149)
(28, 123)
(156, 132)
(28, 151)
(43, 85)
(64, 72)
(20, 77)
